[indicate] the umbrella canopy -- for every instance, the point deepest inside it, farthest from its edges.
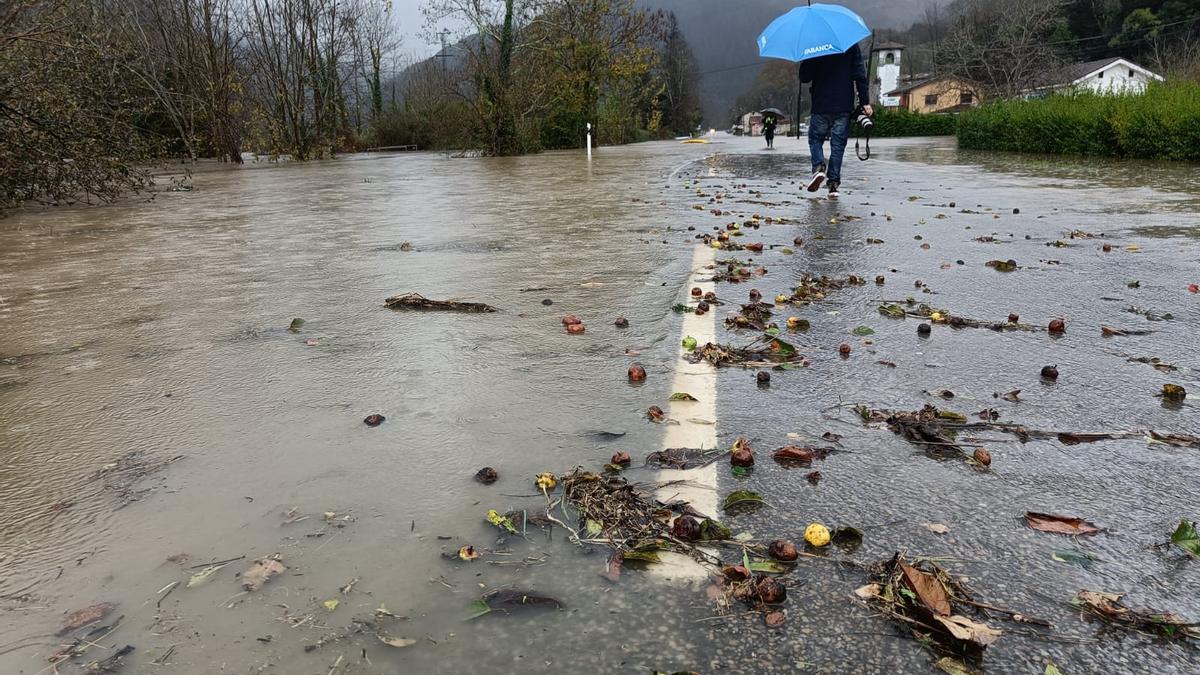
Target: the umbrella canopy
(810, 32)
(773, 111)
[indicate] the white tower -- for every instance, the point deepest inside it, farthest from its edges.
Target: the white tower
(887, 73)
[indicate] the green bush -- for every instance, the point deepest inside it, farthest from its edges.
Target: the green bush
(896, 123)
(1162, 123)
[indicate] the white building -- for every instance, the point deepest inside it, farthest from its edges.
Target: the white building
(887, 73)
(1113, 75)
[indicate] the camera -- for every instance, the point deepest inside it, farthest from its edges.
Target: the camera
(863, 120)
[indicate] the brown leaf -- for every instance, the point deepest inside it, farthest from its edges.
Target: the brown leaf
(804, 455)
(930, 591)
(775, 619)
(82, 617)
(1048, 522)
(396, 642)
(1014, 396)
(936, 528)
(869, 591)
(970, 631)
(260, 573)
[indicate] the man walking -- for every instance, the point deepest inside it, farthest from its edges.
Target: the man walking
(835, 80)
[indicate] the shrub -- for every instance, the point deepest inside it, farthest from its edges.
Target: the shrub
(1162, 123)
(896, 123)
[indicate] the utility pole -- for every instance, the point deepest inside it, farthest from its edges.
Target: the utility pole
(444, 54)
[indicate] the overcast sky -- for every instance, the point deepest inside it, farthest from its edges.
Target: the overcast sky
(412, 24)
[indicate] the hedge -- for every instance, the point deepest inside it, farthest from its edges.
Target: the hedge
(896, 123)
(1162, 123)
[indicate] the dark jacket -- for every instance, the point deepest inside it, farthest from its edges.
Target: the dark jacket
(834, 80)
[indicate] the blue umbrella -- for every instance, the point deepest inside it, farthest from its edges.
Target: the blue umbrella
(809, 32)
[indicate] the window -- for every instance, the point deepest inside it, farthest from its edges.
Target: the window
(1100, 75)
(931, 99)
(966, 98)
(1131, 73)
(890, 58)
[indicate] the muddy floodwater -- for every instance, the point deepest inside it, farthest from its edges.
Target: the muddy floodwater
(158, 415)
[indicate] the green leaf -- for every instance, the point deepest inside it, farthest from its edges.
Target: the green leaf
(771, 331)
(295, 325)
(690, 343)
(951, 416)
(743, 536)
(683, 396)
(642, 556)
(1052, 669)
(767, 567)
(786, 251)
(680, 308)
(1185, 537)
(847, 538)
(740, 471)
(480, 607)
(1073, 557)
(951, 665)
(742, 497)
(711, 530)
(594, 528)
(863, 331)
(892, 311)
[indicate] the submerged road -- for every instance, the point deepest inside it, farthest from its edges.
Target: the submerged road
(156, 414)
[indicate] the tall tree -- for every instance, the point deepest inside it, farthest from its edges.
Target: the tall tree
(680, 81)
(1002, 47)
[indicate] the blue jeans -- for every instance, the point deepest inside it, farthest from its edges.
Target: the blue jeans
(835, 127)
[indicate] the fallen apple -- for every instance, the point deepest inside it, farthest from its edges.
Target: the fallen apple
(982, 456)
(771, 591)
(880, 280)
(487, 475)
(1058, 326)
(571, 319)
(696, 292)
(575, 328)
(741, 455)
(374, 420)
(1014, 318)
(1050, 372)
(844, 349)
(764, 377)
(622, 458)
(686, 528)
(924, 329)
(782, 549)
(621, 322)
(636, 373)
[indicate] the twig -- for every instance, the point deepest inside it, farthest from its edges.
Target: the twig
(221, 562)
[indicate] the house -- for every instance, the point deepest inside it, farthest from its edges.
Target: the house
(933, 95)
(1113, 75)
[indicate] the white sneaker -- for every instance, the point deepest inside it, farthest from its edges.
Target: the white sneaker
(833, 189)
(818, 177)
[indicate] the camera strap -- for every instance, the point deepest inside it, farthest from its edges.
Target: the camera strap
(866, 137)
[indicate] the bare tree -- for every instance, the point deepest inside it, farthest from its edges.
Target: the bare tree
(1001, 47)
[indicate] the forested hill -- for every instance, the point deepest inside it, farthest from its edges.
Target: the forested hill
(722, 34)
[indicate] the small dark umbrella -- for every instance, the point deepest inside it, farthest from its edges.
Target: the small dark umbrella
(776, 111)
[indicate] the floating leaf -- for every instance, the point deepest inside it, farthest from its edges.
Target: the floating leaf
(397, 642)
(742, 497)
(1002, 265)
(1185, 537)
(330, 605)
(771, 331)
(936, 528)
(711, 530)
(951, 665)
(468, 553)
(683, 396)
(594, 528)
(203, 575)
(847, 538)
(767, 567)
(1084, 560)
(740, 471)
(863, 331)
(295, 325)
(952, 416)
(970, 631)
(261, 572)
(481, 608)
(1048, 522)
(680, 308)
(927, 588)
(892, 311)
(494, 517)
(1052, 669)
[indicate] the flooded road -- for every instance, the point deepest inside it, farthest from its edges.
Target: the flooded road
(154, 403)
